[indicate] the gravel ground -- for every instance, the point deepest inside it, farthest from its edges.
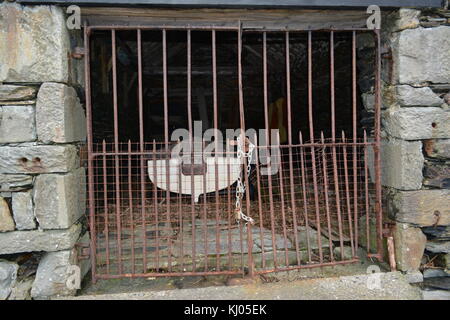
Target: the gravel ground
(379, 286)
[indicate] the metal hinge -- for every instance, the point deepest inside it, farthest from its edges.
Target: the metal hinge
(83, 250)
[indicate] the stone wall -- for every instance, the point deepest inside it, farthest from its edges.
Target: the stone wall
(416, 134)
(42, 126)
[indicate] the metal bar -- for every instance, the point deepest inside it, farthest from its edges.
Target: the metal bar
(130, 205)
(242, 125)
(267, 142)
(166, 27)
(91, 190)
(105, 204)
(116, 148)
(141, 148)
(325, 190)
(205, 218)
(167, 274)
(291, 168)
(308, 266)
(313, 156)
(354, 121)
(305, 200)
(260, 211)
(347, 196)
(366, 193)
(155, 203)
(333, 139)
(377, 157)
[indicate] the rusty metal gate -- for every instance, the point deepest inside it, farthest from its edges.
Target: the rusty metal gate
(317, 209)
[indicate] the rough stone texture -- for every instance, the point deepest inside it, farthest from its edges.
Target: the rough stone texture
(22, 206)
(401, 164)
(6, 220)
(447, 261)
(410, 246)
(59, 199)
(421, 55)
(22, 290)
(437, 246)
(53, 274)
(414, 277)
(15, 182)
(38, 159)
(348, 254)
(10, 92)
(401, 20)
(417, 123)
(439, 148)
(368, 100)
(422, 207)
(39, 240)
(437, 174)
(34, 44)
(17, 124)
(59, 115)
(8, 275)
(414, 97)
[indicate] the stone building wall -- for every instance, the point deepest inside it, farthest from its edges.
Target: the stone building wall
(42, 125)
(416, 133)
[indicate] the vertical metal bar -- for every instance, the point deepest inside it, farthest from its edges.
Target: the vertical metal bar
(242, 124)
(116, 150)
(291, 168)
(258, 185)
(333, 139)
(166, 139)
(283, 214)
(205, 218)
(366, 191)
(305, 199)
(325, 190)
(266, 122)
(141, 149)
(130, 206)
(155, 203)
(105, 205)
(216, 145)
(355, 163)
(189, 111)
(313, 156)
(347, 195)
(377, 158)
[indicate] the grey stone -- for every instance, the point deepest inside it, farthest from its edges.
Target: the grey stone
(22, 290)
(401, 164)
(54, 273)
(34, 44)
(401, 20)
(435, 295)
(23, 212)
(421, 55)
(8, 276)
(59, 115)
(368, 100)
(6, 220)
(417, 123)
(39, 240)
(38, 159)
(59, 200)
(17, 124)
(415, 97)
(15, 182)
(409, 247)
(434, 273)
(414, 277)
(348, 254)
(9, 92)
(422, 207)
(446, 258)
(439, 148)
(437, 246)
(302, 237)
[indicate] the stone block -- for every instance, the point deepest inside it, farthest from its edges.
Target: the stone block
(401, 164)
(409, 247)
(437, 246)
(59, 199)
(22, 290)
(414, 277)
(8, 276)
(59, 115)
(401, 20)
(6, 220)
(439, 148)
(53, 276)
(23, 211)
(10, 92)
(34, 44)
(409, 96)
(39, 240)
(417, 123)
(38, 159)
(15, 182)
(421, 55)
(437, 174)
(17, 124)
(422, 207)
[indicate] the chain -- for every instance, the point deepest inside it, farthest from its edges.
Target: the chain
(240, 187)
